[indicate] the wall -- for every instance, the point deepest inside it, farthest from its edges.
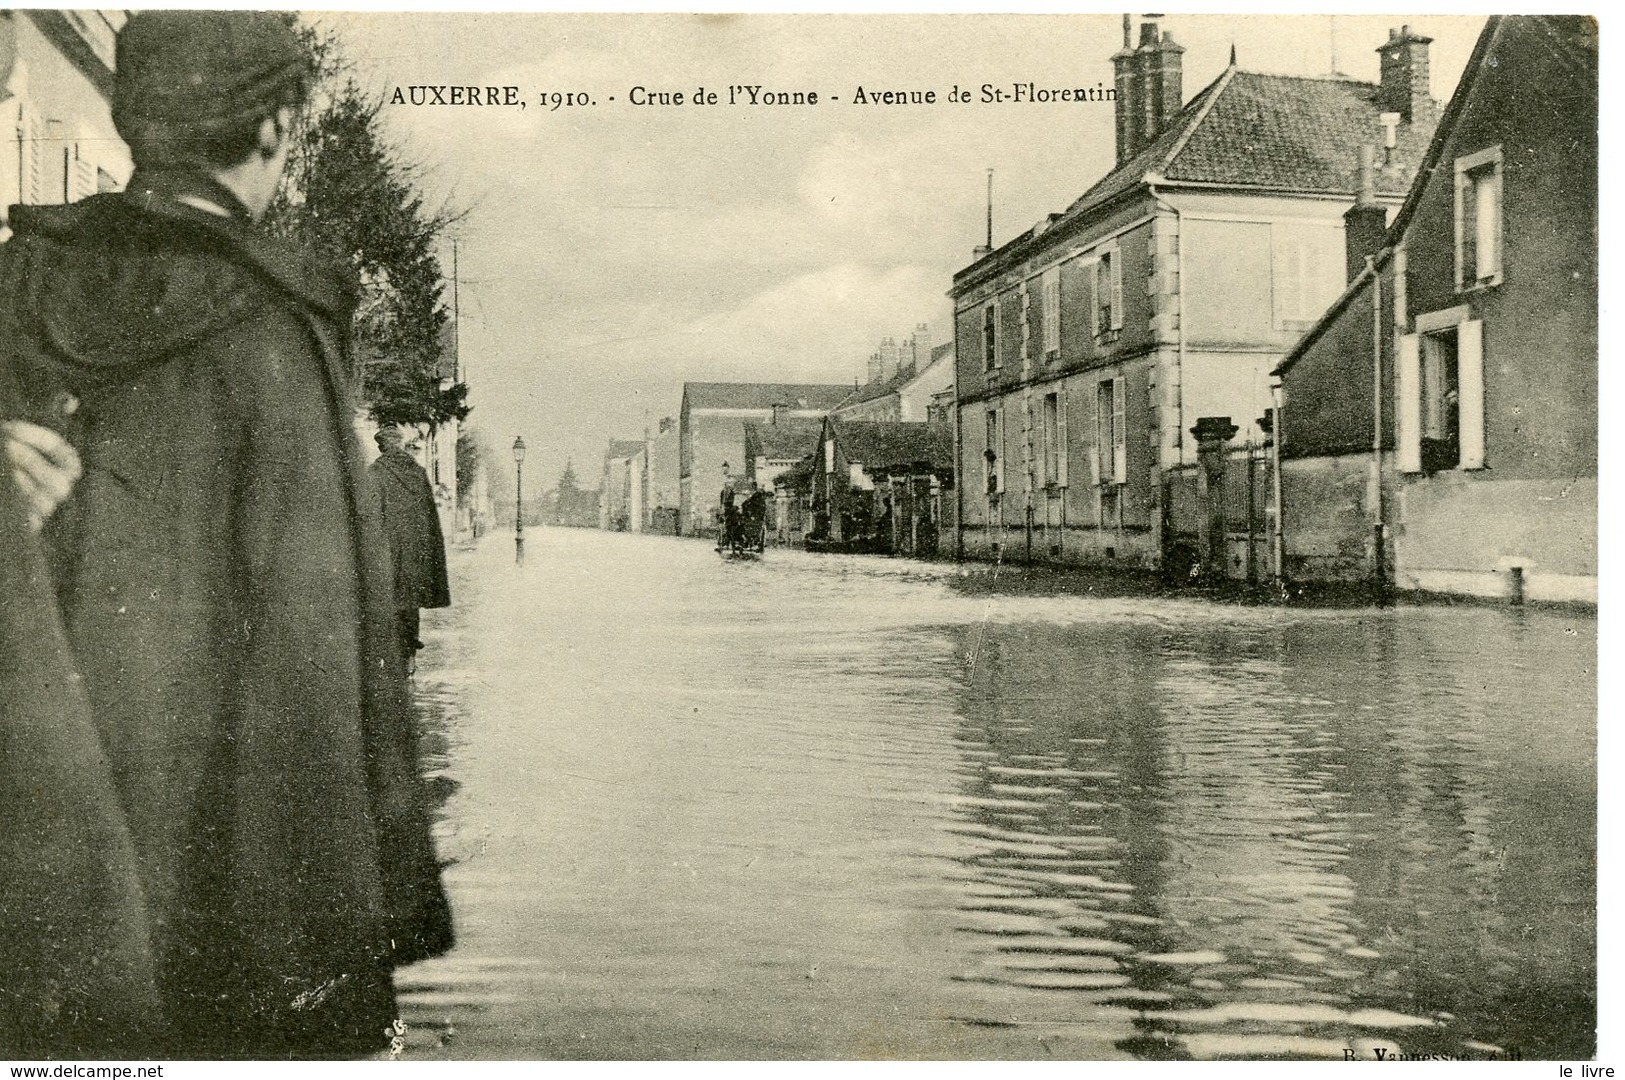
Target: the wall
(1327, 531)
(56, 129)
(1459, 534)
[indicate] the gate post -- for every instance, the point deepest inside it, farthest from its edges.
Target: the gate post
(1213, 434)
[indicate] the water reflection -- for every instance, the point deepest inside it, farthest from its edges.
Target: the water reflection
(1290, 839)
(849, 807)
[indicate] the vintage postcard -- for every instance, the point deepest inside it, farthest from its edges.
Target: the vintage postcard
(650, 537)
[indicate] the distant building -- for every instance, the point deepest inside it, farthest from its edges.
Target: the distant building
(772, 447)
(664, 490)
(1440, 420)
(903, 392)
(620, 493)
(711, 433)
(1088, 347)
(880, 484)
(57, 140)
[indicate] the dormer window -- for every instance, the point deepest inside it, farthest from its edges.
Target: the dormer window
(1478, 220)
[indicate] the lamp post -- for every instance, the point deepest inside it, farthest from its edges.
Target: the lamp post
(519, 500)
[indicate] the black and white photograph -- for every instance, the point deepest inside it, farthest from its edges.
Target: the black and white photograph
(651, 537)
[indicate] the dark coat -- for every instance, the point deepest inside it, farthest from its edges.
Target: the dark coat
(412, 527)
(226, 595)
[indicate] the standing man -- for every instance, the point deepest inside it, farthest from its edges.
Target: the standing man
(223, 586)
(412, 528)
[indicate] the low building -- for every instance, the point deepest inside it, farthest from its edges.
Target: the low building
(1439, 422)
(711, 434)
(660, 508)
(880, 485)
(620, 493)
(772, 449)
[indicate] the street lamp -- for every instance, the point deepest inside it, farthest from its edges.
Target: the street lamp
(519, 500)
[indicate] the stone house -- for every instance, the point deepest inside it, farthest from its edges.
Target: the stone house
(1088, 347)
(1439, 422)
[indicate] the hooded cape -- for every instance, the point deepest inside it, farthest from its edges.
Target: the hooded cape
(244, 754)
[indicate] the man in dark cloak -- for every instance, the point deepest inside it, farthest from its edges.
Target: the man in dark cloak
(412, 527)
(228, 685)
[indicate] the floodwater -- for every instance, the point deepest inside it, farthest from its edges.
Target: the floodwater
(850, 807)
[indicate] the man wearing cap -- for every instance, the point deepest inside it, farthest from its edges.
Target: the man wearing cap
(412, 528)
(222, 584)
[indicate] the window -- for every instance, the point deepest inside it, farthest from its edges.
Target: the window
(1478, 219)
(1111, 436)
(993, 457)
(1441, 397)
(1440, 376)
(1108, 306)
(1052, 311)
(1055, 440)
(990, 336)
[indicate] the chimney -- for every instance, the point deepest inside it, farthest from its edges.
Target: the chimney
(889, 358)
(1405, 81)
(665, 424)
(1161, 82)
(1365, 224)
(1150, 87)
(781, 412)
(1128, 97)
(875, 368)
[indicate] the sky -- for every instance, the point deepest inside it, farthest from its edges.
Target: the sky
(610, 252)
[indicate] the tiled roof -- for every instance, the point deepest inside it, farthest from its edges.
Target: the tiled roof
(901, 378)
(622, 448)
(721, 395)
(1250, 130)
(876, 444)
(1298, 134)
(788, 440)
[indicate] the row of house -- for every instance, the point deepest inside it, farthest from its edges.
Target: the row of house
(764, 436)
(1411, 290)
(1314, 329)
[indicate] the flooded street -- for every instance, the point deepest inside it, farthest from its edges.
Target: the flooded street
(851, 807)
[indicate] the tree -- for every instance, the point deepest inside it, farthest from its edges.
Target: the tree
(573, 504)
(351, 198)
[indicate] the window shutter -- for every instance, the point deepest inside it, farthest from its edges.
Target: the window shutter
(1027, 438)
(1052, 309)
(1489, 222)
(1094, 297)
(998, 462)
(1061, 447)
(1119, 432)
(1117, 291)
(1026, 326)
(1470, 387)
(1409, 412)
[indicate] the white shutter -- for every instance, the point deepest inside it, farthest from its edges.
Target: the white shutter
(1061, 448)
(1119, 431)
(1470, 388)
(1117, 289)
(1409, 406)
(1052, 309)
(1092, 275)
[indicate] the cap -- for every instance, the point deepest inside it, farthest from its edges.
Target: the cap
(184, 73)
